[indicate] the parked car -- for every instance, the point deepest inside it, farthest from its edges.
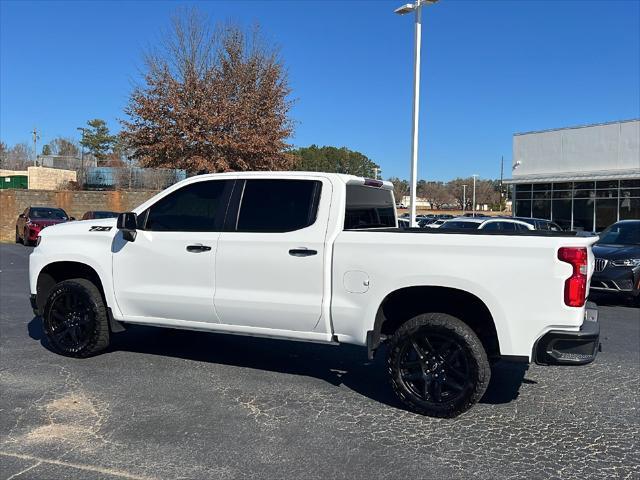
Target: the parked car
(540, 223)
(97, 214)
(436, 223)
(494, 224)
(444, 216)
(31, 222)
(473, 215)
(423, 223)
(316, 257)
(404, 223)
(617, 260)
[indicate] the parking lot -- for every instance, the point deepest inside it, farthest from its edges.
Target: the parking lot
(173, 404)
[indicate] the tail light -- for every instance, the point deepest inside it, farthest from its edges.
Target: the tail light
(575, 287)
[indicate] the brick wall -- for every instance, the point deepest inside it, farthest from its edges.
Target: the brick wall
(13, 202)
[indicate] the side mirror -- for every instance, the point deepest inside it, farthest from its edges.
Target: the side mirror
(128, 224)
(21, 215)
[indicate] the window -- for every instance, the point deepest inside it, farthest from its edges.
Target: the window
(198, 207)
(47, 213)
(523, 208)
(278, 205)
(369, 207)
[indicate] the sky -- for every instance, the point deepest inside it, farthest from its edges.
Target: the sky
(489, 69)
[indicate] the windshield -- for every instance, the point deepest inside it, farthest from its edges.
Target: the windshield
(460, 225)
(99, 215)
(621, 234)
(48, 213)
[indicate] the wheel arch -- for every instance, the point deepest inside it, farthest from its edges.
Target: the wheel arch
(404, 303)
(56, 272)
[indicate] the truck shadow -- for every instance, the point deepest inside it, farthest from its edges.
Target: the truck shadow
(338, 365)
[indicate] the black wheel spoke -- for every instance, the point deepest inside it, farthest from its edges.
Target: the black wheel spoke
(436, 390)
(452, 383)
(417, 348)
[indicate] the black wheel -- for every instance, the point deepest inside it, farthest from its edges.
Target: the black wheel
(18, 236)
(75, 319)
(438, 366)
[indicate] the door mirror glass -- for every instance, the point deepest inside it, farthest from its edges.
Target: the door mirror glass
(21, 215)
(128, 224)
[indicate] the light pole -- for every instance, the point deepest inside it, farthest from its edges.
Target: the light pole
(474, 194)
(417, 8)
(464, 197)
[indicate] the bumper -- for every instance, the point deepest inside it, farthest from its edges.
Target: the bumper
(623, 280)
(559, 347)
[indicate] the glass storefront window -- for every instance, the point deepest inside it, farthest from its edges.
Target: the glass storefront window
(630, 183)
(629, 208)
(523, 208)
(607, 184)
(562, 212)
(562, 194)
(541, 186)
(541, 209)
(612, 193)
(606, 212)
(524, 187)
(583, 214)
(563, 186)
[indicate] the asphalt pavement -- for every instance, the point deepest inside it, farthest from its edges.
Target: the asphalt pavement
(166, 404)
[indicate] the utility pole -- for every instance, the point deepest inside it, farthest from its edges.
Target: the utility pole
(474, 194)
(35, 146)
(464, 197)
(81, 182)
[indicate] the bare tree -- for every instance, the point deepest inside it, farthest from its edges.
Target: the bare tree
(436, 193)
(400, 188)
(212, 100)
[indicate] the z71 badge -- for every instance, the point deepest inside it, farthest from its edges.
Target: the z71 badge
(99, 229)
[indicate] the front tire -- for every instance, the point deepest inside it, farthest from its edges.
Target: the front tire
(75, 319)
(437, 365)
(18, 236)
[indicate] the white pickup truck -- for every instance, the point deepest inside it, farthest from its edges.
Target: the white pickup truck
(319, 257)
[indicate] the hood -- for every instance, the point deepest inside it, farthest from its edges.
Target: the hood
(45, 222)
(80, 226)
(616, 252)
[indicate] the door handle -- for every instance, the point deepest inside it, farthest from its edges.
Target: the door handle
(302, 252)
(198, 248)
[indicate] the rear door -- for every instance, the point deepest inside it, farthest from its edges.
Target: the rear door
(270, 265)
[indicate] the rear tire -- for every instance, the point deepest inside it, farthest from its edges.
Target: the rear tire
(437, 365)
(75, 319)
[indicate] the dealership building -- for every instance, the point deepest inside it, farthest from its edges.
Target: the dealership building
(582, 178)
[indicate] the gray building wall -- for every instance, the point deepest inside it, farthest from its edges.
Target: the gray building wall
(612, 148)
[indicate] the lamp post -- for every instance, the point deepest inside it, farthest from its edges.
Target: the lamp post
(474, 194)
(464, 197)
(403, 10)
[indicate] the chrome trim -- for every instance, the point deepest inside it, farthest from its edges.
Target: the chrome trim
(601, 264)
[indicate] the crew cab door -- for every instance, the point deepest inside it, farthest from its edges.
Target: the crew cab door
(270, 266)
(168, 272)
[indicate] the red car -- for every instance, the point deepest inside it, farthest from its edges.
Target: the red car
(34, 219)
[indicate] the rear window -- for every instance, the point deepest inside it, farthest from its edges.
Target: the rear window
(369, 207)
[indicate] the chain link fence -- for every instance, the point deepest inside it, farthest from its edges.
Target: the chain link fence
(115, 178)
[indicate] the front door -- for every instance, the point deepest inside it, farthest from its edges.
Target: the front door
(270, 268)
(168, 272)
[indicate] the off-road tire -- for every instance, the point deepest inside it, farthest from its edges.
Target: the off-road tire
(89, 319)
(469, 352)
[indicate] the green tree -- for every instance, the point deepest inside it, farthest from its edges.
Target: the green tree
(97, 139)
(400, 188)
(335, 160)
